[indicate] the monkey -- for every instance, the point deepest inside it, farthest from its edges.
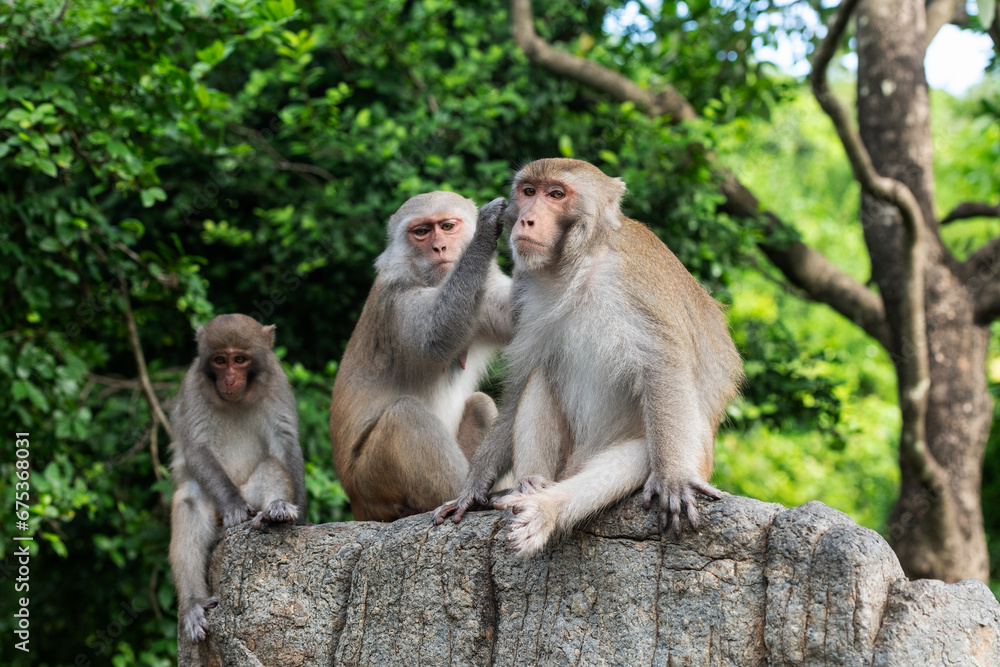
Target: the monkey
(236, 454)
(405, 416)
(620, 367)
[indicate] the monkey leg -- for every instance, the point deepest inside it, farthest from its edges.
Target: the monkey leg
(270, 490)
(541, 436)
(608, 476)
(409, 464)
(193, 533)
(477, 420)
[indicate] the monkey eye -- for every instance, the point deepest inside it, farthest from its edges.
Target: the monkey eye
(220, 360)
(447, 226)
(557, 194)
(529, 191)
(421, 232)
(240, 359)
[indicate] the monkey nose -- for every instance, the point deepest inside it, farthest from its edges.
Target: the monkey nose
(529, 223)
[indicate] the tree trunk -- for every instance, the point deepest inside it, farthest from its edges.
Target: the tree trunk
(936, 527)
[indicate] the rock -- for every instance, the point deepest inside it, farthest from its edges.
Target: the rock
(757, 585)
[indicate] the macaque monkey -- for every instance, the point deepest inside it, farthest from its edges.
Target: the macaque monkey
(620, 367)
(405, 416)
(236, 454)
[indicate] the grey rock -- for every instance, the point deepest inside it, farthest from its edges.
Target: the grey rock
(757, 585)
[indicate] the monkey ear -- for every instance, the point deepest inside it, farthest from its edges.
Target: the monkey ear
(613, 210)
(268, 332)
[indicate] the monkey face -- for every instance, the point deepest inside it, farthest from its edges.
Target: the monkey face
(438, 240)
(231, 369)
(543, 207)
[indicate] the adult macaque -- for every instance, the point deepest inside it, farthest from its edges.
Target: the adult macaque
(620, 368)
(405, 417)
(236, 453)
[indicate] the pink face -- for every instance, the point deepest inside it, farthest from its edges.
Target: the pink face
(231, 367)
(440, 238)
(540, 206)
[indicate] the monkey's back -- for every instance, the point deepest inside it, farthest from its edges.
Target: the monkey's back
(668, 295)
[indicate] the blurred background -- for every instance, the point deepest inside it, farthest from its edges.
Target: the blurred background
(164, 162)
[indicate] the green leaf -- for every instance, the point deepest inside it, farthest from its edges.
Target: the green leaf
(46, 166)
(566, 145)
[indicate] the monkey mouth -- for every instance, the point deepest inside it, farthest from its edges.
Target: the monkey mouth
(538, 244)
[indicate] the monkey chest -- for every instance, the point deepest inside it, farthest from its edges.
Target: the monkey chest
(240, 446)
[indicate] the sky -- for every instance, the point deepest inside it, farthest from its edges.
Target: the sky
(956, 60)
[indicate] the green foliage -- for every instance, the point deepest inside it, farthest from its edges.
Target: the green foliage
(177, 159)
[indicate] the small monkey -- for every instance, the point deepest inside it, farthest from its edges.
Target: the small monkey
(405, 416)
(620, 367)
(236, 453)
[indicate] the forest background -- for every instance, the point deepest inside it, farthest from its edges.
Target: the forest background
(164, 162)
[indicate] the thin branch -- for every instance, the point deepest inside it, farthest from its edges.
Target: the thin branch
(668, 102)
(62, 12)
(123, 383)
(308, 170)
(972, 209)
(147, 386)
(912, 355)
(154, 604)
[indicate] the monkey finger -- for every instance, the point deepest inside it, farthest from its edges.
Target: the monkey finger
(707, 489)
(692, 509)
(210, 603)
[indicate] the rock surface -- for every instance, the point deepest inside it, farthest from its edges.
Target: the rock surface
(758, 585)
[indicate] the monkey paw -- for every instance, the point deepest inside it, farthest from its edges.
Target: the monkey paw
(195, 623)
(534, 522)
(531, 484)
(279, 511)
(676, 496)
(491, 217)
(237, 514)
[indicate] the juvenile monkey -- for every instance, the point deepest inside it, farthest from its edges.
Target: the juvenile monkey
(620, 367)
(236, 453)
(405, 416)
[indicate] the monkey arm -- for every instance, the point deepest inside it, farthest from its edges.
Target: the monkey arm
(446, 329)
(492, 458)
(284, 445)
(496, 317)
(679, 438)
(205, 468)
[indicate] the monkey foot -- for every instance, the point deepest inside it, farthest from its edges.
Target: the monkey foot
(675, 497)
(534, 522)
(195, 624)
(279, 511)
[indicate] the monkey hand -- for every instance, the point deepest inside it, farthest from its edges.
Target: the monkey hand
(459, 506)
(237, 513)
(195, 623)
(676, 495)
(490, 222)
(279, 511)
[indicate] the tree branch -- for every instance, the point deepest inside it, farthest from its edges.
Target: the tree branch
(803, 266)
(981, 273)
(808, 269)
(972, 209)
(308, 170)
(911, 356)
(147, 386)
(939, 14)
(668, 102)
